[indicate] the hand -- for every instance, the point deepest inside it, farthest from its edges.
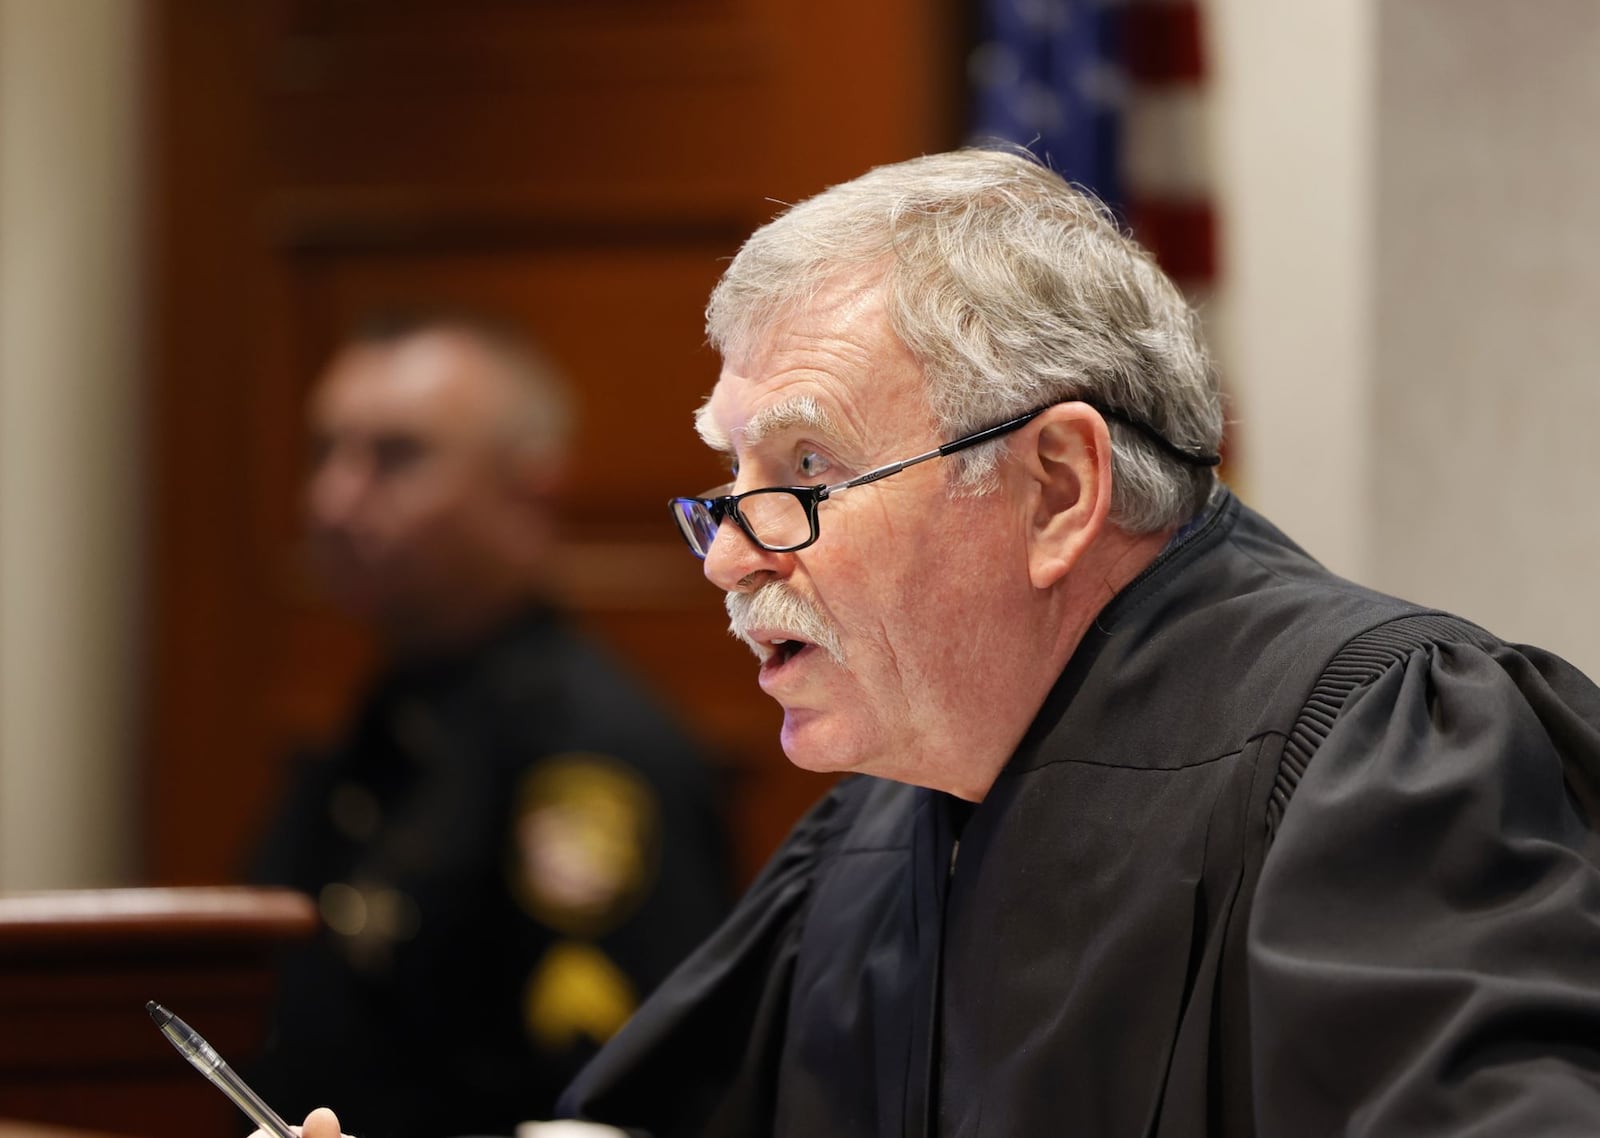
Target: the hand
(320, 1123)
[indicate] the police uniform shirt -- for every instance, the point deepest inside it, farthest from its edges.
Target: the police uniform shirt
(510, 848)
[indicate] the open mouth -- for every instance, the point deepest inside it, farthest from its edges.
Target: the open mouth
(780, 626)
(785, 650)
(774, 650)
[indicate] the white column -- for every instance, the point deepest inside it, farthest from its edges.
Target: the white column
(1411, 261)
(1292, 115)
(1488, 300)
(69, 487)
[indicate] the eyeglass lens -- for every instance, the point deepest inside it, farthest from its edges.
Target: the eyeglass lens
(777, 519)
(696, 522)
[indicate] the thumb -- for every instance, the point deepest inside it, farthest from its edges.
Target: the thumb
(321, 1123)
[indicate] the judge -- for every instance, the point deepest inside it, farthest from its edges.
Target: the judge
(1156, 826)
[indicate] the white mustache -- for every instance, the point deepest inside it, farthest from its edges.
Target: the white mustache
(777, 606)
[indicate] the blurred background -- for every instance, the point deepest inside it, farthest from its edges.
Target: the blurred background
(1385, 208)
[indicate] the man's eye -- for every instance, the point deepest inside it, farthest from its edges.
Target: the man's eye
(398, 453)
(812, 464)
(319, 452)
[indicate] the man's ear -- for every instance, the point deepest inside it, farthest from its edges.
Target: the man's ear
(1070, 467)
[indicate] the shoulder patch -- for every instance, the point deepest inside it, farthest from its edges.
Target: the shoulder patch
(586, 842)
(575, 992)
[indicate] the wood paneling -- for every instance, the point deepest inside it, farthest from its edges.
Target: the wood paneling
(584, 168)
(76, 968)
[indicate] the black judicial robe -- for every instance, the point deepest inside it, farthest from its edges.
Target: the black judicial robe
(1280, 856)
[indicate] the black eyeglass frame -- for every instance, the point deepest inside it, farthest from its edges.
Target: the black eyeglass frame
(809, 497)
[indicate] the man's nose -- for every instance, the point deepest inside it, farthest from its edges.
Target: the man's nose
(736, 564)
(336, 490)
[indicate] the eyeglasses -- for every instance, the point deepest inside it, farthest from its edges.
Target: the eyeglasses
(783, 519)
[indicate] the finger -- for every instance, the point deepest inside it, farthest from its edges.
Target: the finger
(321, 1123)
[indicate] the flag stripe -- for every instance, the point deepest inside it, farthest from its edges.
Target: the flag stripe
(1162, 43)
(1181, 235)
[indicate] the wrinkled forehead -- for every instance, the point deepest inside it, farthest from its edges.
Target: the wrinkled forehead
(834, 369)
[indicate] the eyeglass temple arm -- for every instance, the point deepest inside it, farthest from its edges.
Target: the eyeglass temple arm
(988, 433)
(1191, 457)
(875, 474)
(982, 436)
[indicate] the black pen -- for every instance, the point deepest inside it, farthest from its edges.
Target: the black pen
(206, 1060)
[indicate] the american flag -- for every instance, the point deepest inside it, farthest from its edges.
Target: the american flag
(1112, 95)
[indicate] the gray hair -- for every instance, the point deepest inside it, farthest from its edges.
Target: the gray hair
(1012, 290)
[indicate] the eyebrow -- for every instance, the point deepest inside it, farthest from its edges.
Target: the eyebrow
(800, 411)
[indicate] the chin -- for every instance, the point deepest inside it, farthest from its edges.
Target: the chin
(817, 742)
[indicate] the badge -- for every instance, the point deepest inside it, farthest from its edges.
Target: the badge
(576, 991)
(586, 842)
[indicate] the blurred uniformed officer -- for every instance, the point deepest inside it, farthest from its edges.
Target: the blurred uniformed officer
(511, 843)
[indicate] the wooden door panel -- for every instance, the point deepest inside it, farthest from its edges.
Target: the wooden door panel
(581, 166)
